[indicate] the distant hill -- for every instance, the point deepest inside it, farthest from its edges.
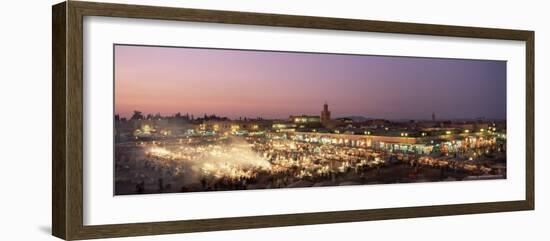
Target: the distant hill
(356, 118)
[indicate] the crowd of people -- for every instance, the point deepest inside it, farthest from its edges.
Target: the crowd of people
(235, 163)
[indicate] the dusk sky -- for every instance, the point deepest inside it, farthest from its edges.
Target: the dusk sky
(245, 83)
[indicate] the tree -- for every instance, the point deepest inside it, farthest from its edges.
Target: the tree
(137, 115)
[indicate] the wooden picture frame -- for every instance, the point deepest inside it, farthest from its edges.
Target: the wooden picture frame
(67, 124)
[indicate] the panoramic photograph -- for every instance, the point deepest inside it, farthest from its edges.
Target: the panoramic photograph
(204, 119)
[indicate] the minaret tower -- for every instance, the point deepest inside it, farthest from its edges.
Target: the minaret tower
(325, 114)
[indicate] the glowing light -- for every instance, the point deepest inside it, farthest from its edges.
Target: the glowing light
(157, 151)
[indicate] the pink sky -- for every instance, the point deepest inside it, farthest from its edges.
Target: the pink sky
(237, 83)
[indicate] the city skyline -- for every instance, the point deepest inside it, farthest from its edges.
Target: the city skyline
(274, 85)
(202, 115)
